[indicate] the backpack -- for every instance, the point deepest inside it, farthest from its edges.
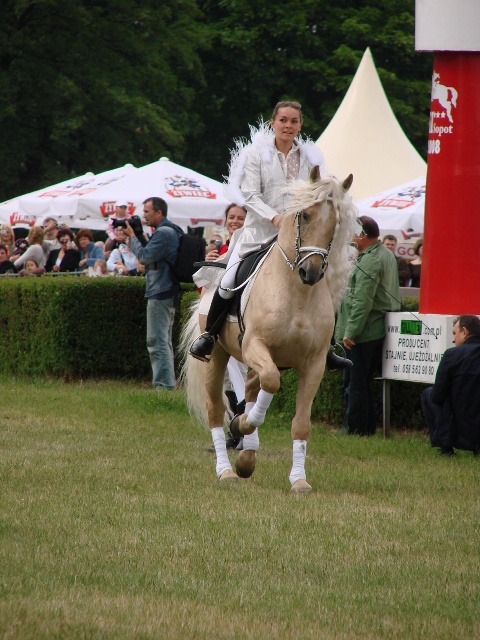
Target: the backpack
(191, 249)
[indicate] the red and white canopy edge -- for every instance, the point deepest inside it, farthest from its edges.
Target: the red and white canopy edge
(193, 200)
(59, 200)
(398, 211)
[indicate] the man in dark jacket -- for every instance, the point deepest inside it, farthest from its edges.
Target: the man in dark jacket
(452, 406)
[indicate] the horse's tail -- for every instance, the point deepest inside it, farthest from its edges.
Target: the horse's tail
(193, 371)
(454, 93)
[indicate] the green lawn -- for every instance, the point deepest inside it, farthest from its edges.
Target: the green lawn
(113, 525)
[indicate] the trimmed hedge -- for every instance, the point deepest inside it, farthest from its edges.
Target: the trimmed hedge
(75, 327)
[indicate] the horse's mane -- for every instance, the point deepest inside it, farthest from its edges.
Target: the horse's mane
(304, 194)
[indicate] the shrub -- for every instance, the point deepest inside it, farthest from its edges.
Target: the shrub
(95, 327)
(73, 326)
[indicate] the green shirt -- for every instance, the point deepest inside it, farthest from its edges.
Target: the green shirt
(372, 291)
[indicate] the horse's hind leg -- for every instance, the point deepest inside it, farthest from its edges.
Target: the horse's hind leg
(214, 378)
(247, 458)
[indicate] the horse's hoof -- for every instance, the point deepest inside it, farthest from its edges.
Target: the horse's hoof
(239, 426)
(245, 464)
(228, 475)
(301, 486)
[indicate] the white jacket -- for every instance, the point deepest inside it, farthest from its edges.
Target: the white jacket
(258, 182)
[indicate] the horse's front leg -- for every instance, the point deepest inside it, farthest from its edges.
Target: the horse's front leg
(258, 357)
(309, 379)
(214, 378)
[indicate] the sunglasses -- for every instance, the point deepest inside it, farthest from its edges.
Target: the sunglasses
(64, 241)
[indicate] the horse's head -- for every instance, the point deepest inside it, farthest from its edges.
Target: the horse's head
(307, 233)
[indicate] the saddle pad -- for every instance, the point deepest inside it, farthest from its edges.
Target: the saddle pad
(207, 293)
(246, 292)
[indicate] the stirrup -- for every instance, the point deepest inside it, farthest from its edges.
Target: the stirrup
(202, 347)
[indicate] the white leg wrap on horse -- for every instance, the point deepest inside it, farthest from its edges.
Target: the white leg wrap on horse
(298, 461)
(218, 436)
(251, 442)
(248, 407)
(257, 414)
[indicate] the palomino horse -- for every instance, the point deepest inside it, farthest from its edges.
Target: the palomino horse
(289, 321)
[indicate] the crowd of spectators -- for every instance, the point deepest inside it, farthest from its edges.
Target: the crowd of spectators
(56, 249)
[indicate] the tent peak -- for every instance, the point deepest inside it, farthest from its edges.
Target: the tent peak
(365, 138)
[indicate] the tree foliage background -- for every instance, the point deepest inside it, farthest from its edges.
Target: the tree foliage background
(89, 85)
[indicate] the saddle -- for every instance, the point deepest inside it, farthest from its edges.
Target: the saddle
(245, 270)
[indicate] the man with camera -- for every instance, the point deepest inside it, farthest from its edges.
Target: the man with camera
(156, 254)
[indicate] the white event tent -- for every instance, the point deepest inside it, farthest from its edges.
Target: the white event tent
(398, 211)
(365, 138)
(193, 199)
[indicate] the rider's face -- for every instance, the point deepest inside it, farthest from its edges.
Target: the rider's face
(287, 124)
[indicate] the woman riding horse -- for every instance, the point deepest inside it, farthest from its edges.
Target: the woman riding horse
(259, 174)
(288, 322)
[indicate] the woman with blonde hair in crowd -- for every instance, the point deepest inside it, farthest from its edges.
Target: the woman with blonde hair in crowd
(7, 237)
(35, 249)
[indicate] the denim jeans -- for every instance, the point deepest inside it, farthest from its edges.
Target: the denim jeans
(160, 315)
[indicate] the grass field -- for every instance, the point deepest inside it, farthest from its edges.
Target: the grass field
(113, 525)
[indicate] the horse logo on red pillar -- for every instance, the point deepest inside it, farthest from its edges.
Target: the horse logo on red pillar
(442, 93)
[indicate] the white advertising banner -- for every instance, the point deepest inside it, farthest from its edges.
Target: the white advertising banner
(414, 345)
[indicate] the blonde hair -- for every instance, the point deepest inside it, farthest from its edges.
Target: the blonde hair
(5, 227)
(36, 235)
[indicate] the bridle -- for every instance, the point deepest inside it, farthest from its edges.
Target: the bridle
(309, 251)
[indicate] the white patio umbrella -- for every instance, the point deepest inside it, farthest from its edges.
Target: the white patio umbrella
(58, 201)
(398, 211)
(193, 199)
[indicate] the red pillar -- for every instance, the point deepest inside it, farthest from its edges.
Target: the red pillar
(450, 280)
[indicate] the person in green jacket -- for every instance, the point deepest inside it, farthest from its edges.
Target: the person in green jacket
(373, 290)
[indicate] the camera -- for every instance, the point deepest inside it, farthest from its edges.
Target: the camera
(218, 244)
(135, 222)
